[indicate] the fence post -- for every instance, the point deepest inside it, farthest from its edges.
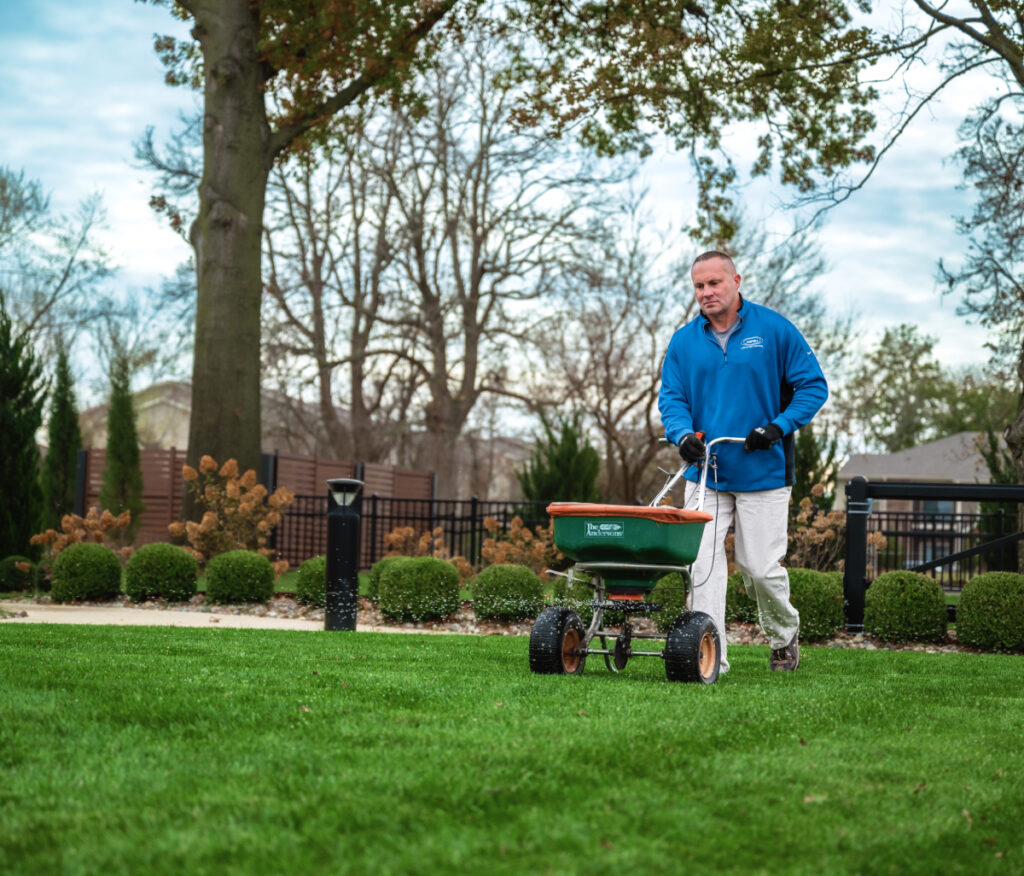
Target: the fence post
(475, 526)
(373, 529)
(858, 506)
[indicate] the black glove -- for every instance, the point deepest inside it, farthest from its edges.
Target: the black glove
(762, 438)
(692, 449)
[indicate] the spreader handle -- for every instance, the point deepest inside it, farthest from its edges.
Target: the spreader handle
(702, 484)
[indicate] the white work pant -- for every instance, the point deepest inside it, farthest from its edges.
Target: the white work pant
(761, 519)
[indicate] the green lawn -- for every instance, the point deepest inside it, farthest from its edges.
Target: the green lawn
(163, 750)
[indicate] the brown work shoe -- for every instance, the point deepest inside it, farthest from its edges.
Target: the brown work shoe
(786, 658)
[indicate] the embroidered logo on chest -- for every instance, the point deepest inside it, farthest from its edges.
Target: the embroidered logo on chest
(752, 343)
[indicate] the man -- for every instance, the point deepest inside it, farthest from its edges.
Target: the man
(740, 369)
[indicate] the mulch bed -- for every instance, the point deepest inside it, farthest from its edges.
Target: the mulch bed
(465, 622)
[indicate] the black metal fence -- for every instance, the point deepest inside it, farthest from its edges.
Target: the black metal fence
(302, 532)
(914, 538)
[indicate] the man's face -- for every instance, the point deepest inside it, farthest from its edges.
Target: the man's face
(716, 287)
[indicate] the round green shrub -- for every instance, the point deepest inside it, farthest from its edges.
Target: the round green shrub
(86, 572)
(905, 607)
(311, 582)
(819, 599)
(14, 579)
(419, 588)
(376, 570)
(507, 592)
(990, 613)
(738, 605)
(579, 596)
(669, 591)
(239, 576)
(161, 570)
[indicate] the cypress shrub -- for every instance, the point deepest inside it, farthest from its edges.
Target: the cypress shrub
(85, 572)
(122, 477)
(819, 599)
(419, 588)
(60, 467)
(990, 613)
(161, 570)
(905, 606)
(739, 606)
(15, 577)
(670, 591)
(311, 584)
(239, 576)
(507, 592)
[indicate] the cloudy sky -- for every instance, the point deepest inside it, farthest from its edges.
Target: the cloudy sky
(79, 82)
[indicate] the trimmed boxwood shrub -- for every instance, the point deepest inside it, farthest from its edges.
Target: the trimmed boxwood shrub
(86, 572)
(376, 570)
(905, 607)
(739, 606)
(14, 579)
(669, 591)
(507, 592)
(239, 576)
(990, 613)
(159, 569)
(311, 582)
(419, 588)
(819, 599)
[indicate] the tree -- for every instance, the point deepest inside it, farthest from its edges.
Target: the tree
(52, 266)
(60, 468)
(1001, 471)
(816, 462)
(122, 478)
(563, 467)
(274, 73)
(22, 396)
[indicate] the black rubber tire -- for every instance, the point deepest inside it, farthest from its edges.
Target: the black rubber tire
(693, 649)
(556, 630)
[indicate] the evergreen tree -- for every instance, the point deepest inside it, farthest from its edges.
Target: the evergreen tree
(61, 465)
(22, 397)
(1001, 471)
(816, 463)
(561, 468)
(122, 479)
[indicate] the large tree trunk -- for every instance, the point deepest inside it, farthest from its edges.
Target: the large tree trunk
(226, 236)
(1015, 443)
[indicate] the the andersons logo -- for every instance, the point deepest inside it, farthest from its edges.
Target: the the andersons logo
(752, 343)
(605, 530)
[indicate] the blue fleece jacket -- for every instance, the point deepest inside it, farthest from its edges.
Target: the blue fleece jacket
(766, 374)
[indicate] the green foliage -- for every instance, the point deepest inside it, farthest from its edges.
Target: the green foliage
(122, 478)
(419, 588)
(562, 468)
(670, 591)
(1004, 515)
(60, 467)
(22, 395)
(818, 596)
(161, 570)
(15, 577)
(507, 592)
(816, 462)
(239, 576)
(86, 572)
(376, 571)
(990, 613)
(905, 606)
(738, 605)
(311, 582)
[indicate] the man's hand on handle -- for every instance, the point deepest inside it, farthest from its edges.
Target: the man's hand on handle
(692, 449)
(761, 438)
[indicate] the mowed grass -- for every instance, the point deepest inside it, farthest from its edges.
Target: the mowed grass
(165, 750)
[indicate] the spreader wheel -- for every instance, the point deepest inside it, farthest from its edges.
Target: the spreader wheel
(693, 650)
(556, 634)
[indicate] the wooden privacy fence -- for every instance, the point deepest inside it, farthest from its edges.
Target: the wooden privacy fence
(163, 488)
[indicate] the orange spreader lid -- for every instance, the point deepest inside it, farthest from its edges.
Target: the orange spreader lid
(662, 514)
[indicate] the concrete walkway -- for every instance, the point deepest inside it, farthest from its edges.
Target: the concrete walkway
(120, 616)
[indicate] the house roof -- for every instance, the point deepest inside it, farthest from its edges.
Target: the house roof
(955, 459)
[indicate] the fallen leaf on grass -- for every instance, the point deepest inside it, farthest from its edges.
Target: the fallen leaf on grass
(803, 741)
(815, 798)
(303, 709)
(607, 844)
(967, 815)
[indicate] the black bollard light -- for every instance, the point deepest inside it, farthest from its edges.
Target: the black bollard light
(344, 510)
